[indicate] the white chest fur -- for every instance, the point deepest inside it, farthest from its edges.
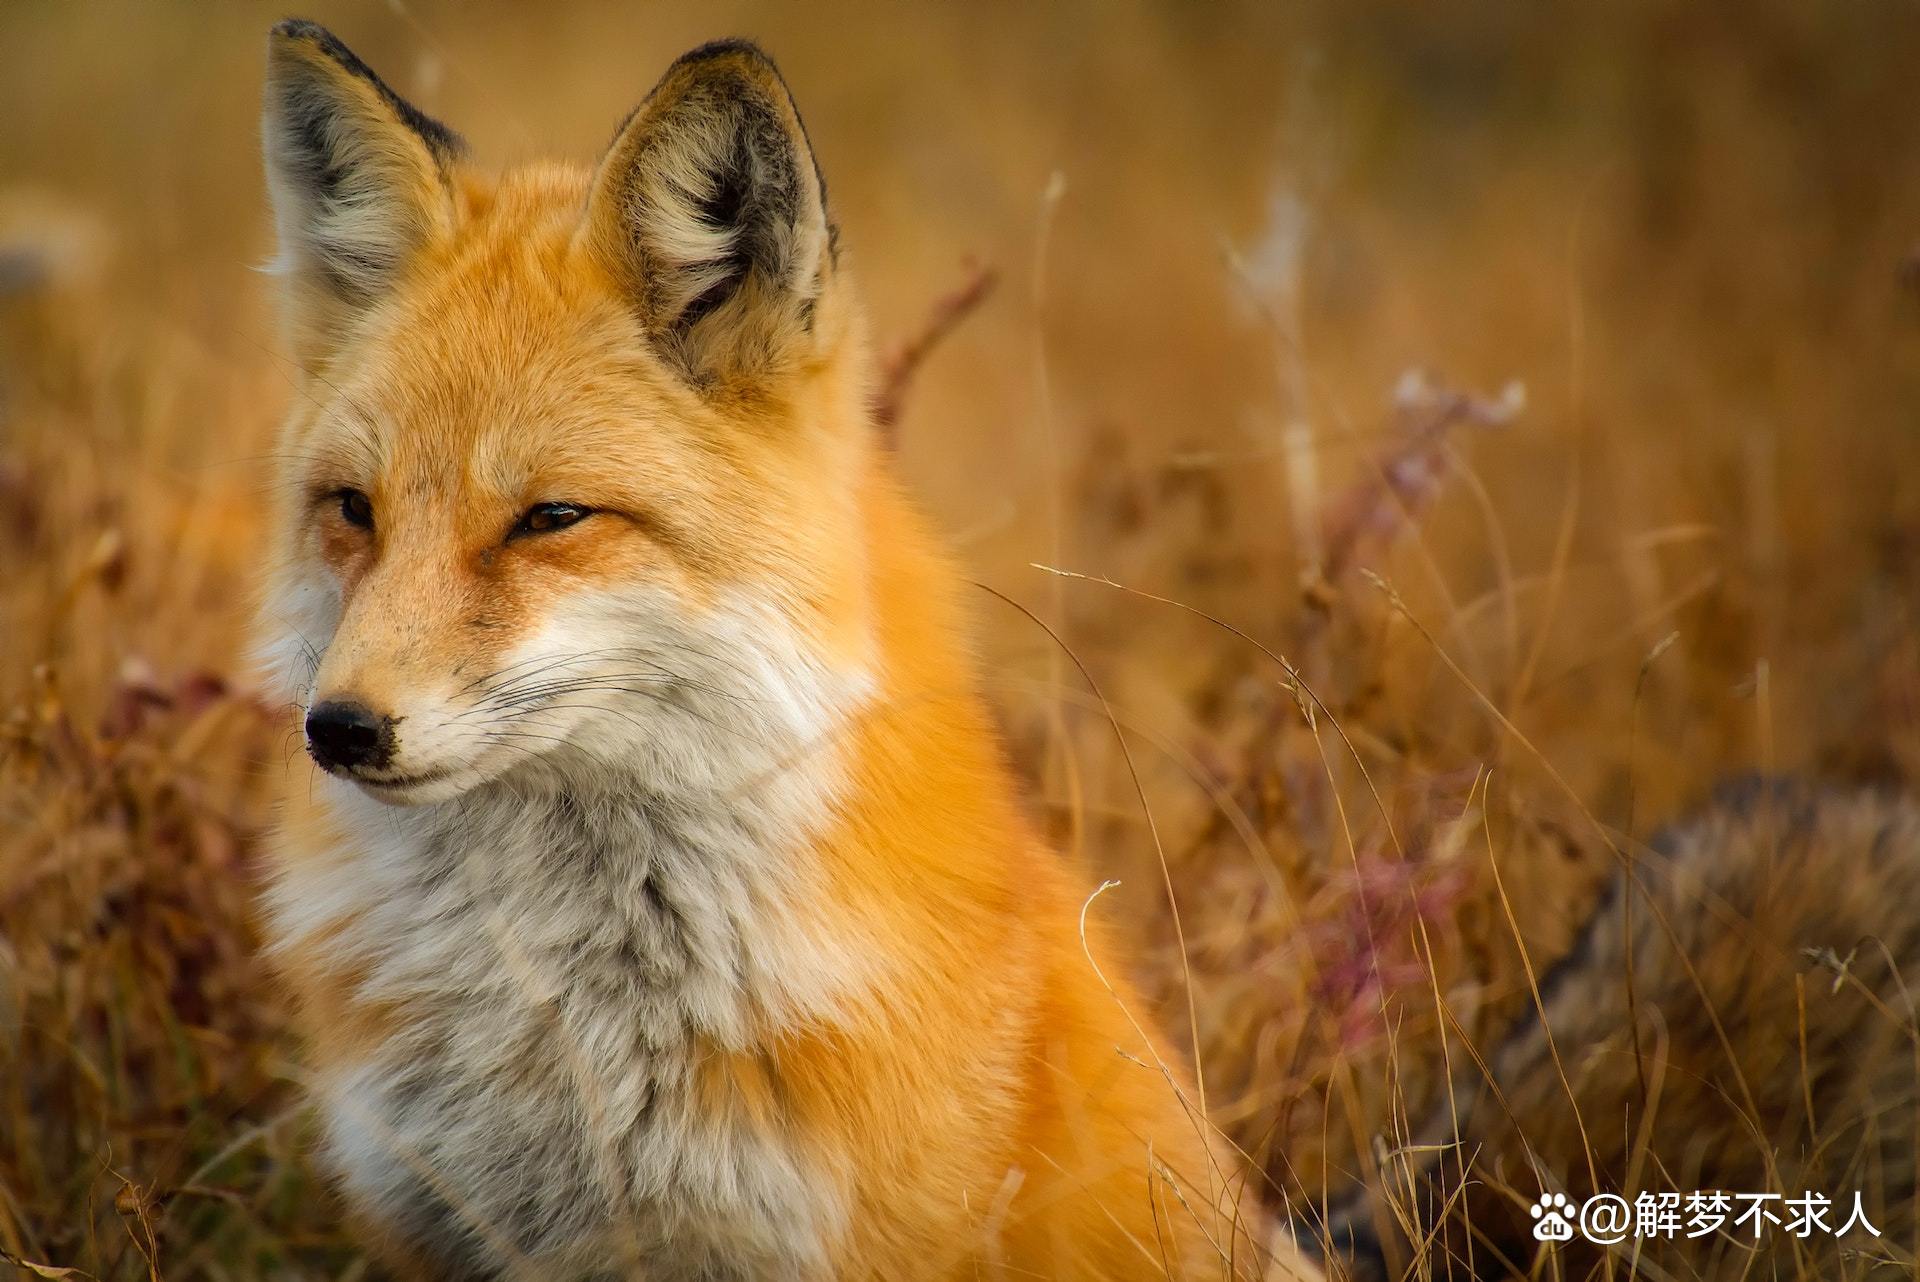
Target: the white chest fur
(561, 964)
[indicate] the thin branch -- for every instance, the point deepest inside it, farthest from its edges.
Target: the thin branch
(903, 359)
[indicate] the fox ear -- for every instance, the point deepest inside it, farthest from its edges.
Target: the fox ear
(710, 213)
(359, 177)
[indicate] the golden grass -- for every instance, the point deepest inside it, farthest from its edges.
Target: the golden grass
(1221, 236)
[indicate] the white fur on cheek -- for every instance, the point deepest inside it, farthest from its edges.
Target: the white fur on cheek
(297, 625)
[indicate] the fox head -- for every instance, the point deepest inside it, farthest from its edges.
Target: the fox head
(572, 472)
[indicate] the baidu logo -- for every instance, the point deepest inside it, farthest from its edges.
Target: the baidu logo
(1552, 1220)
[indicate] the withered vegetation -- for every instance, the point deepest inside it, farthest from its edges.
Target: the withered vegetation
(1399, 662)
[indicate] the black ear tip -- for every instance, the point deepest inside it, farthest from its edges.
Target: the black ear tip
(733, 49)
(444, 143)
(302, 29)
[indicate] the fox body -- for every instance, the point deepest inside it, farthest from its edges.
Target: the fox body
(664, 908)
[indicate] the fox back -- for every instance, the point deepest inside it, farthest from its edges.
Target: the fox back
(662, 905)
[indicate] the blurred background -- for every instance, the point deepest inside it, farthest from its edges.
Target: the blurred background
(1537, 387)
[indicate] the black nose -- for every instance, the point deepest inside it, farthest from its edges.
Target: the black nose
(342, 733)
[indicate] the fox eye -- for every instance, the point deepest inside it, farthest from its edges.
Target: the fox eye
(542, 517)
(356, 509)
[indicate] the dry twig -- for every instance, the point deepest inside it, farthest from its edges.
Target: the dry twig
(903, 359)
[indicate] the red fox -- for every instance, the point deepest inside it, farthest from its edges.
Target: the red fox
(664, 907)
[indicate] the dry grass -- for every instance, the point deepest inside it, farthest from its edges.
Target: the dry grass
(1395, 667)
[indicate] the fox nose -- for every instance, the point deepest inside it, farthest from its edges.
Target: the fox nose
(344, 734)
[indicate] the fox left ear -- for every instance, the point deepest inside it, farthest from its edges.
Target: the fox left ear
(709, 211)
(359, 177)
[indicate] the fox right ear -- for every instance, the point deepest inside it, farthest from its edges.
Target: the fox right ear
(709, 211)
(359, 177)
